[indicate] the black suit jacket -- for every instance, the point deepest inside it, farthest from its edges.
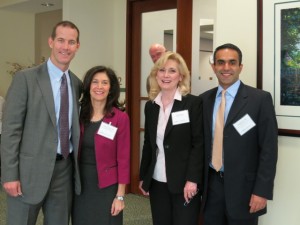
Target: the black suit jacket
(250, 159)
(183, 145)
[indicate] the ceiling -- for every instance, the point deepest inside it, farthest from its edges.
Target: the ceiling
(30, 6)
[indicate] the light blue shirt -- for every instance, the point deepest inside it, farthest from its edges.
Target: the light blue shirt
(229, 95)
(55, 75)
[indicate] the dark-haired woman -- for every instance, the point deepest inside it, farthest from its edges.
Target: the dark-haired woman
(104, 154)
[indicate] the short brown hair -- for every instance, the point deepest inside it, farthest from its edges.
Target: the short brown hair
(64, 23)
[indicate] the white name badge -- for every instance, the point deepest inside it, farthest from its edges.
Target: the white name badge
(107, 130)
(180, 117)
(244, 124)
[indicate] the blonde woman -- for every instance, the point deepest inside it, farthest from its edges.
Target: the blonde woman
(172, 160)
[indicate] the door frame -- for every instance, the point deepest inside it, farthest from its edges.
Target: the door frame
(135, 8)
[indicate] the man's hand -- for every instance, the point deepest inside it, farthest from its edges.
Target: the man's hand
(13, 188)
(190, 190)
(257, 203)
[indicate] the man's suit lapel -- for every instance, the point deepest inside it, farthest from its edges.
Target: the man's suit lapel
(44, 82)
(210, 108)
(75, 94)
(238, 104)
(75, 117)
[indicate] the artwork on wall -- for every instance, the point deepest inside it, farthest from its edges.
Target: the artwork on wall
(279, 60)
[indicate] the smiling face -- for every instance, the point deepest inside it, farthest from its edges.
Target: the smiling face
(100, 87)
(168, 76)
(227, 67)
(64, 46)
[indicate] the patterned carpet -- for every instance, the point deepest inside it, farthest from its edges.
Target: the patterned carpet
(136, 212)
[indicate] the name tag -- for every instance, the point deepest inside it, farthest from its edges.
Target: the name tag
(180, 117)
(107, 130)
(244, 124)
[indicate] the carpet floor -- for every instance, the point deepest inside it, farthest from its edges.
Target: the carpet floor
(136, 212)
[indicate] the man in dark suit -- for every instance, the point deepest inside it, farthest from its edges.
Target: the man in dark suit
(237, 193)
(35, 174)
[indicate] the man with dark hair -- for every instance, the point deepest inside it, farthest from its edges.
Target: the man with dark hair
(240, 145)
(40, 135)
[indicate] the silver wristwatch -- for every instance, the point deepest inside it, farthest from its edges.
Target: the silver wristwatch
(121, 198)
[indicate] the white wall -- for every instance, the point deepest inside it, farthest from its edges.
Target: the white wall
(44, 22)
(17, 41)
(102, 26)
(238, 26)
(202, 9)
(205, 53)
(153, 32)
(119, 39)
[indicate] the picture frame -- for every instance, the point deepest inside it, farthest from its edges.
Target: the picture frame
(278, 60)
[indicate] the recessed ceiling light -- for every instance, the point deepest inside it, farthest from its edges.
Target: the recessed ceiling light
(46, 4)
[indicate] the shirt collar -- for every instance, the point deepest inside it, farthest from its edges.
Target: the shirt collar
(177, 96)
(54, 70)
(232, 90)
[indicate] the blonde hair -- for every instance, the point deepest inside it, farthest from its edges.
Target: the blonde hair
(183, 85)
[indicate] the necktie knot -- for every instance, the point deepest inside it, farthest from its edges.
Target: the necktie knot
(223, 103)
(63, 78)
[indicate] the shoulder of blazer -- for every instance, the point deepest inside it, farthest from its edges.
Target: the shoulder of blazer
(38, 70)
(38, 73)
(246, 91)
(252, 90)
(191, 98)
(186, 101)
(151, 105)
(209, 94)
(74, 77)
(75, 80)
(118, 116)
(188, 97)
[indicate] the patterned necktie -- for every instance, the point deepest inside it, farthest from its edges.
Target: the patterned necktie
(217, 158)
(64, 117)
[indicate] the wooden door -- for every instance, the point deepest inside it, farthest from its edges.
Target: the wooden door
(135, 8)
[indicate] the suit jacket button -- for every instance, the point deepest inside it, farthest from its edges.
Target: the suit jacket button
(166, 146)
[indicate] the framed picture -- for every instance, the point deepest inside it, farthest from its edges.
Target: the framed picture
(278, 67)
